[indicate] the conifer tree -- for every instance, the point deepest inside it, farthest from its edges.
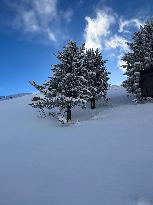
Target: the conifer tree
(65, 88)
(97, 76)
(140, 57)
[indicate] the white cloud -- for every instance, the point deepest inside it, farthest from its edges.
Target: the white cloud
(97, 28)
(39, 17)
(125, 24)
(51, 36)
(67, 15)
(30, 21)
(116, 42)
(46, 7)
(106, 32)
(119, 43)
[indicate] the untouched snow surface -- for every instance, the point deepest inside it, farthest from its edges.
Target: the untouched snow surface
(105, 159)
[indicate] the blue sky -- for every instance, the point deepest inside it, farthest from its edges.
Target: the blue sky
(31, 32)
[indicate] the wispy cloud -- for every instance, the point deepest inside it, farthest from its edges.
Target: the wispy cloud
(119, 44)
(125, 25)
(39, 17)
(98, 27)
(110, 32)
(116, 42)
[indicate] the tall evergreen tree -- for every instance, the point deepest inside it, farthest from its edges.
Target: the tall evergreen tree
(140, 57)
(65, 89)
(97, 76)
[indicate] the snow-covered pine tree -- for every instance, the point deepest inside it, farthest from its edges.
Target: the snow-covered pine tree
(67, 80)
(139, 58)
(96, 75)
(65, 88)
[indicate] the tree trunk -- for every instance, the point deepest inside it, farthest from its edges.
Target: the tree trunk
(93, 103)
(68, 113)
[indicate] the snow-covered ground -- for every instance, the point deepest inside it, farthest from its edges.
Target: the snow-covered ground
(8, 97)
(105, 158)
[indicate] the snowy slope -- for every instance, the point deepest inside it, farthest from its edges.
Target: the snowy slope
(105, 159)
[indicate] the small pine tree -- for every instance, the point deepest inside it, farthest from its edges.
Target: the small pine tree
(139, 58)
(97, 76)
(65, 88)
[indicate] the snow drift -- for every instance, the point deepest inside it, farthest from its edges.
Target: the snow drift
(105, 158)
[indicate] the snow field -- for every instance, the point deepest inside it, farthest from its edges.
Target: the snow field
(103, 159)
